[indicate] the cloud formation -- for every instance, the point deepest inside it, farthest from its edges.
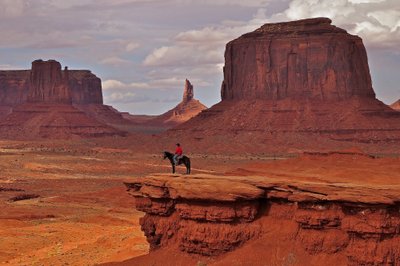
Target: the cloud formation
(376, 21)
(144, 49)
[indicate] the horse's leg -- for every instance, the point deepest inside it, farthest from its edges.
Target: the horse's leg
(173, 168)
(187, 164)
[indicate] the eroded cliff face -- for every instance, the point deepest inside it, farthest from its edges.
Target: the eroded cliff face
(14, 86)
(301, 221)
(85, 87)
(46, 81)
(305, 59)
(40, 104)
(294, 83)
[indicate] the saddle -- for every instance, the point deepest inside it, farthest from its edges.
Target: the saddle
(178, 159)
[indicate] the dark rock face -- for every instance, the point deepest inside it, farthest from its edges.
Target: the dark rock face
(47, 82)
(14, 86)
(85, 87)
(305, 59)
(188, 91)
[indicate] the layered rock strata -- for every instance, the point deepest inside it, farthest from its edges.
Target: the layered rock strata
(31, 121)
(47, 82)
(14, 86)
(305, 80)
(45, 108)
(304, 220)
(305, 59)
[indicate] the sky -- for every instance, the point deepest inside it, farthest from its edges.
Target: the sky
(143, 50)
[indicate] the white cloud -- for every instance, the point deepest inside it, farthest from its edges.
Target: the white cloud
(166, 83)
(387, 18)
(246, 3)
(202, 47)
(207, 34)
(121, 97)
(365, 1)
(131, 46)
(115, 61)
(182, 55)
(157, 55)
(165, 41)
(113, 84)
(376, 21)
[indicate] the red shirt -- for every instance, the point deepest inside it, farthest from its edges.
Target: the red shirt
(179, 151)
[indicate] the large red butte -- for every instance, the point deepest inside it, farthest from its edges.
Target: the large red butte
(305, 59)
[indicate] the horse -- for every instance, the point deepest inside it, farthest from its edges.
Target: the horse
(183, 160)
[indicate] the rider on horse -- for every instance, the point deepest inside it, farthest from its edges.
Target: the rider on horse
(178, 153)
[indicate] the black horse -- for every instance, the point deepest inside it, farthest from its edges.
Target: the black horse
(183, 160)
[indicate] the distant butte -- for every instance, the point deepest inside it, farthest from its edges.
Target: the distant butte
(40, 103)
(84, 87)
(185, 110)
(295, 85)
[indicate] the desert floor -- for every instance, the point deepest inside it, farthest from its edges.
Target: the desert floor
(80, 213)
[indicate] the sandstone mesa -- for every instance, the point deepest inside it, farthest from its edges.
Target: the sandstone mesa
(303, 78)
(293, 82)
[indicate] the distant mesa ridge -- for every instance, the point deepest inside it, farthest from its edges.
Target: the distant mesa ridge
(45, 81)
(48, 102)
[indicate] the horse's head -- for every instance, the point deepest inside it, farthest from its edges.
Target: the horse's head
(165, 155)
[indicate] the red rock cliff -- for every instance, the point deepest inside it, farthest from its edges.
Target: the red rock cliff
(273, 219)
(14, 86)
(85, 87)
(305, 59)
(294, 85)
(46, 81)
